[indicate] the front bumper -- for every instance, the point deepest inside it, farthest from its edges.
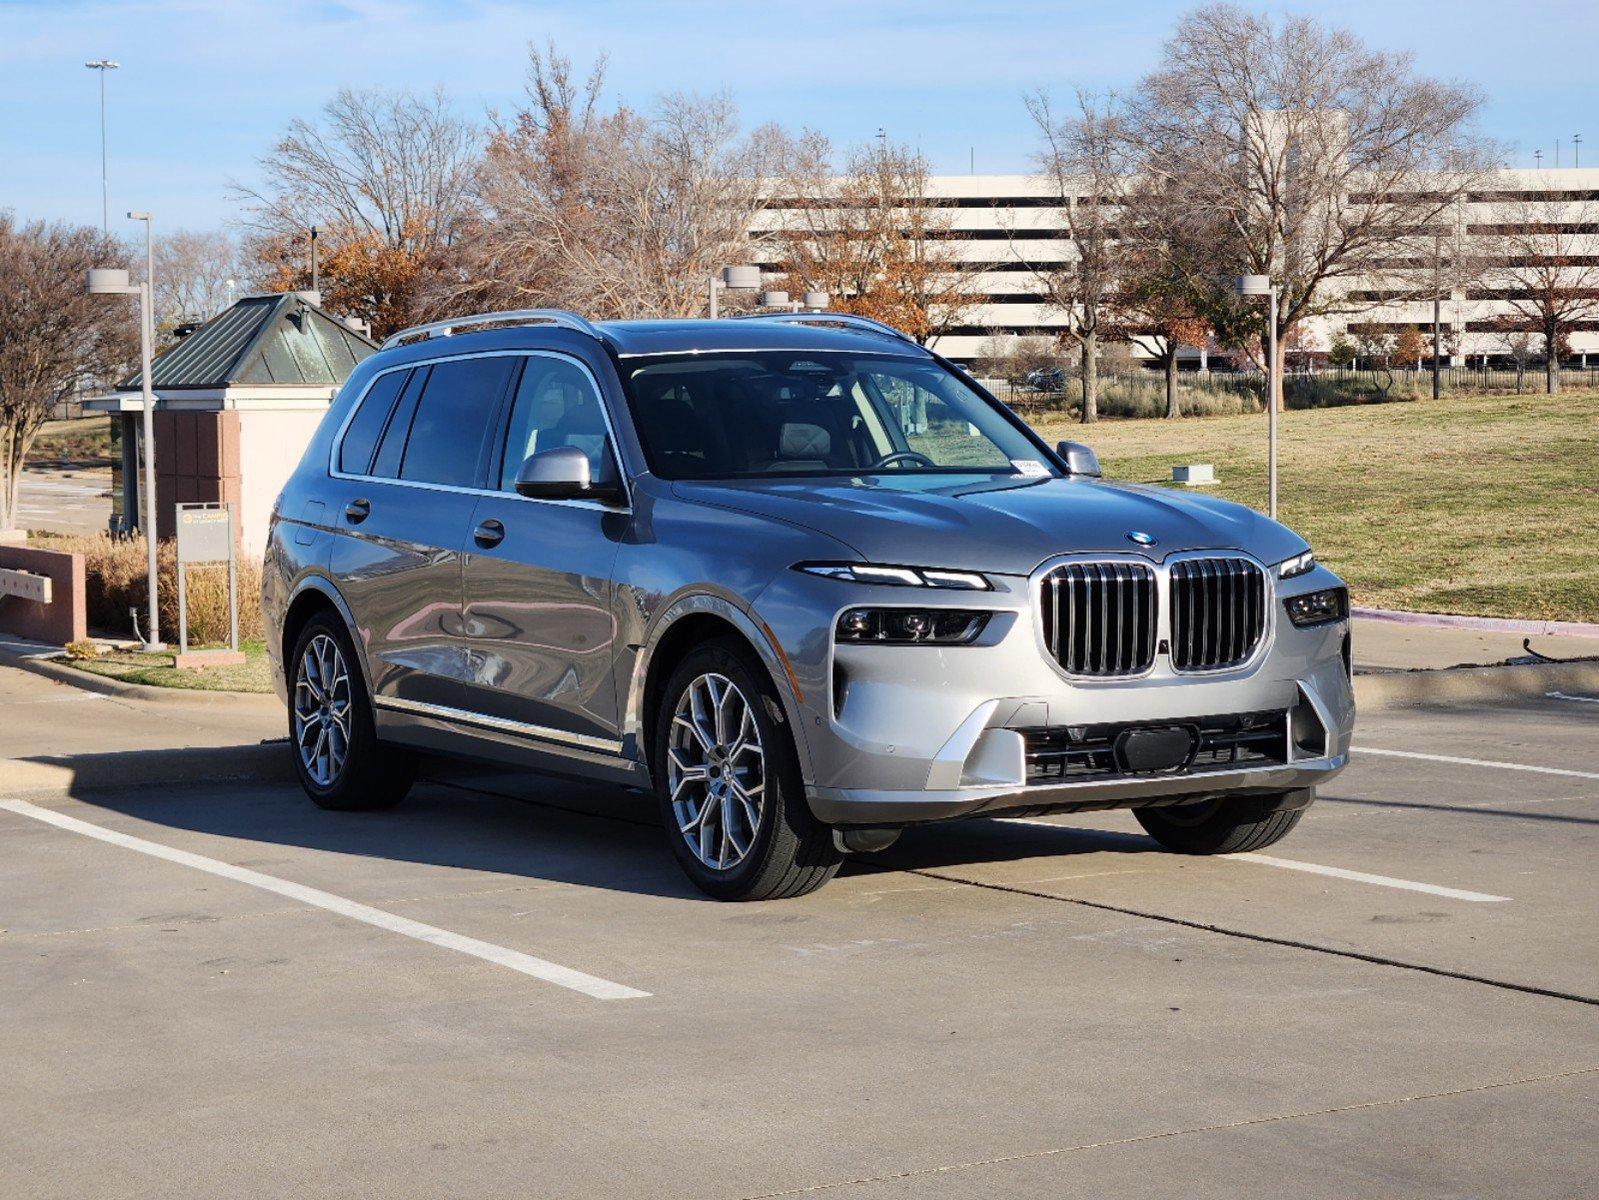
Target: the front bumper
(895, 735)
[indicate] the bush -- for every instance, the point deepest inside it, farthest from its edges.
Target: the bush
(115, 582)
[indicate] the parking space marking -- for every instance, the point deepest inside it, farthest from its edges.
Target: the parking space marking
(1291, 864)
(526, 964)
(1409, 885)
(1575, 699)
(1478, 762)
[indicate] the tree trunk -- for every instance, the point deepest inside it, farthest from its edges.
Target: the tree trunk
(1551, 362)
(1090, 379)
(1277, 373)
(1172, 408)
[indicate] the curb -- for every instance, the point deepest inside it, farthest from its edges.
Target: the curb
(1459, 685)
(1580, 629)
(104, 685)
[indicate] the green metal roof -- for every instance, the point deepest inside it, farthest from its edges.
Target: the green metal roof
(279, 339)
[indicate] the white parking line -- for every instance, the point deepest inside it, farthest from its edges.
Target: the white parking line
(1576, 699)
(1478, 762)
(538, 968)
(1409, 885)
(1290, 864)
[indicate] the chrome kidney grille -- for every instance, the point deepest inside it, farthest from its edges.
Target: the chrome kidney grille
(1100, 618)
(1218, 612)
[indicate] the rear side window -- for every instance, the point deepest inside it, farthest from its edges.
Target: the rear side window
(361, 436)
(452, 418)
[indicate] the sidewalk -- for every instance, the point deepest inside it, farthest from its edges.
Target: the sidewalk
(1384, 646)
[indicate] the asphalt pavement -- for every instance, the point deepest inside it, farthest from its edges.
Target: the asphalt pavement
(505, 988)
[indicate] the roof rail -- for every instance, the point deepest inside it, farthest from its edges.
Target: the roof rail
(847, 320)
(520, 316)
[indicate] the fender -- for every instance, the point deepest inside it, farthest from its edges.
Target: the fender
(755, 631)
(315, 580)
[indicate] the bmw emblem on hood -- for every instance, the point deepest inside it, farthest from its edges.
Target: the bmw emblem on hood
(1139, 537)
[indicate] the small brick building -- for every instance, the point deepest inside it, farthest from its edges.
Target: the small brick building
(236, 402)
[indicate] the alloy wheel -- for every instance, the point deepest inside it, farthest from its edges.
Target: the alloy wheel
(716, 770)
(322, 710)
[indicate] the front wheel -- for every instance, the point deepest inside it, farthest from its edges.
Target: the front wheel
(728, 780)
(1232, 825)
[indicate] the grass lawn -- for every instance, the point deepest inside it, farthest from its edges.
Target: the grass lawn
(82, 440)
(1487, 506)
(133, 666)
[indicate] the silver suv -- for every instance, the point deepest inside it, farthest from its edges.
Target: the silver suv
(796, 575)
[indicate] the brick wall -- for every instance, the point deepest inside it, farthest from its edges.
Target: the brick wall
(65, 618)
(196, 459)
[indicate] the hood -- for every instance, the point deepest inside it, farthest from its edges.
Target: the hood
(1005, 527)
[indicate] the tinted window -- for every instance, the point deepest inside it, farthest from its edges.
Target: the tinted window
(361, 437)
(452, 416)
(386, 463)
(555, 405)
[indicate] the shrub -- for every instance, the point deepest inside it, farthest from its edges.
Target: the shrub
(115, 582)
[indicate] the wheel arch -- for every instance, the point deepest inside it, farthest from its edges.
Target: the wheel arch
(316, 594)
(689, 622)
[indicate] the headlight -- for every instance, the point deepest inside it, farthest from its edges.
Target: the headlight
(1318, 608)
(911, 626)
(963, 581)
(1297, 565)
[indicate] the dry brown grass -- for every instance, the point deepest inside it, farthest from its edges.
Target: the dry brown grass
(115, 573)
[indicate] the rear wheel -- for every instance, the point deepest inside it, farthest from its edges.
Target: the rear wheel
(1232, 825)
(728, 780)
(337, 755)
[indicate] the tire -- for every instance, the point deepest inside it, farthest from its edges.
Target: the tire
(370, 775)
(1224, 826)
(711, 765)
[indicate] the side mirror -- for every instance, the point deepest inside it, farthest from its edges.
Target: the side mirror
(1079, 459)
(559, 474)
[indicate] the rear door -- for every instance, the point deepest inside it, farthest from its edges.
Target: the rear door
(406, 520)
(538, 626)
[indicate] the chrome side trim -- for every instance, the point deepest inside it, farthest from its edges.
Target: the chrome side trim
(500, 724)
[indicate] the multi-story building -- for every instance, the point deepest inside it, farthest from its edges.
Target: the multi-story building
(1009, 230)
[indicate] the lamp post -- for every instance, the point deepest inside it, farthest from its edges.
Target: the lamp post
(743, 279)
(105, 281)
(102, 65)
(1261, 285)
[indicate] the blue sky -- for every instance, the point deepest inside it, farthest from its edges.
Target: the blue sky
(205, 85)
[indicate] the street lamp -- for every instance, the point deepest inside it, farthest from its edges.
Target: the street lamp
(742, 279)
(107, 281)
(1261, 285)
(103, 65)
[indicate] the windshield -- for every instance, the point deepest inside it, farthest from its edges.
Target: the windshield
(784, 413)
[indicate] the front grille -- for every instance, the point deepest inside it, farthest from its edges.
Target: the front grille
(1069, 754)
(1099, 618)
(1218, 612)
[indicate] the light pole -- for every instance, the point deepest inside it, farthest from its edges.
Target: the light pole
(1261, 285)
(1437, 305)
(744, 279)
(105, 281)
(103, 65)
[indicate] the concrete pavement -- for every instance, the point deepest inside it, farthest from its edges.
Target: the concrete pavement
(988, 1009)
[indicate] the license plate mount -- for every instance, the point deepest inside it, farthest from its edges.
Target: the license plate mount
(1156, 750)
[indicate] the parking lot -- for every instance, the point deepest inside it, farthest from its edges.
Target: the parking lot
(505, 987)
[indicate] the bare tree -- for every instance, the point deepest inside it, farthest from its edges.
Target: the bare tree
(1544, 265)
(1318, 159)
(192, 271)
(1081, 164)
(617, 212)
(54, 337)
(385, 178)
(874, 238)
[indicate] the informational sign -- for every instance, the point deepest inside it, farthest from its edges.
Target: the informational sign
(25, 585)
(206, 535)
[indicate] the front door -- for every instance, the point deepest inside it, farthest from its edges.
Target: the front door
(537, 621)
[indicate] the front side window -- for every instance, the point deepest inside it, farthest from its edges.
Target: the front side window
(555, 405)
(452, 419)
(773, 413)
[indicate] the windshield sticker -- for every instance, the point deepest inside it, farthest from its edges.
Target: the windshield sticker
(1029, 467)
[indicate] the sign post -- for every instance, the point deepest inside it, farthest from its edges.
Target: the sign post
(207, 534)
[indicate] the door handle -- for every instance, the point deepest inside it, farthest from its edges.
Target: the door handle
(357, 511)
(489, 533)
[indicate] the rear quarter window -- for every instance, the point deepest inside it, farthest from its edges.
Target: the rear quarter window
(366, 426)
